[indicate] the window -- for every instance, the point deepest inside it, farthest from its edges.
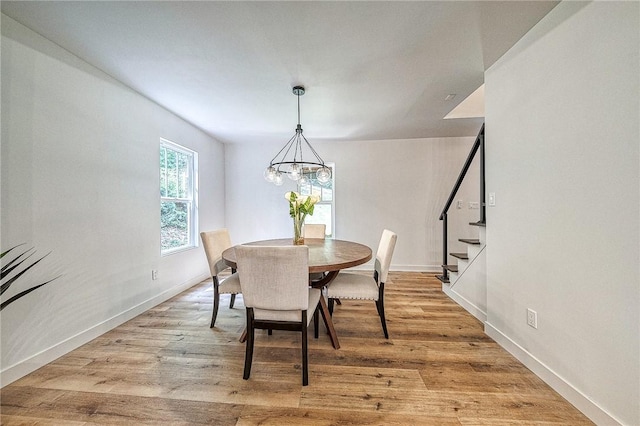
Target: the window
(178, 197)
(324, 210)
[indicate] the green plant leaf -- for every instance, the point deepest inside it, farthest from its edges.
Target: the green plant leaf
(23, 293)
(6, 269)
(5, 286)
(12, 266)
(7, 251)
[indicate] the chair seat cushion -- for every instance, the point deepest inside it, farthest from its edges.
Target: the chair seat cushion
(269, 315)
(230, 285)
(353, 286)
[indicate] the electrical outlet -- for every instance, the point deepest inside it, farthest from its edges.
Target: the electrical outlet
(154, 274)
(459, 204)
(532, 318)
(474, 205)
(492, 199)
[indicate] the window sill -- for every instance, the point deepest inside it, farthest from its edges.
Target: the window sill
(177, 250)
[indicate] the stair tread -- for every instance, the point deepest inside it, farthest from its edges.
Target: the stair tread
(470, 241)
(463, 256)
(443, 279)
(451, 268)
(478, 223)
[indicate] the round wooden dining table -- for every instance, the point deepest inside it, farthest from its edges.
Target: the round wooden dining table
(325, 256)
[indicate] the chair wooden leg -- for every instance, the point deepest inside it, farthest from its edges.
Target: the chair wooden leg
(216, 301)
(380, 305)
(232, 301)
(248, 357)
(316, 323)
(305, 360)
(330, 306)
(303, 327)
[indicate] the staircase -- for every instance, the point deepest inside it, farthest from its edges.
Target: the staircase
(464, 279)
(464, 260)
(467, 283)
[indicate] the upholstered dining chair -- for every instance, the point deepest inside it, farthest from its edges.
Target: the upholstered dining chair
(349, 285)
(215, 242)
(314, 230)
(276, 292)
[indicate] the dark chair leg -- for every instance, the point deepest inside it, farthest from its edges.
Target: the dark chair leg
(303, 327)
(305, 360)
(330, 306)
(216, 301)
(316, 322)
(233, 299)
(248, 357)
(338, 302)
(270, 332)
(380, 305)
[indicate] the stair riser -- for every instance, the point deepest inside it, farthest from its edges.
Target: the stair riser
(474, 250)
(482, 236)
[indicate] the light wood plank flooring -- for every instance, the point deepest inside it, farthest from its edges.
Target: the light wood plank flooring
(168, 367)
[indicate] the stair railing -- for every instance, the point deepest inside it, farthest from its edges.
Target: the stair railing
(478, 145)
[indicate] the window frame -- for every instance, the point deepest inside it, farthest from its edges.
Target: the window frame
(191, 200)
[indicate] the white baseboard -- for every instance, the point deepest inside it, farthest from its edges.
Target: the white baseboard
(588, 407)
(417, 268)
(465, 303)
(22, 368)
(402, 268)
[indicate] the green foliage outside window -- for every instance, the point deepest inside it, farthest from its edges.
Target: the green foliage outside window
(174, 224)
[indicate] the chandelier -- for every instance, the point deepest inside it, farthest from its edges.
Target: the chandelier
(294, 166)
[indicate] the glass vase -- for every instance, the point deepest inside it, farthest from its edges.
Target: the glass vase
(298, 238)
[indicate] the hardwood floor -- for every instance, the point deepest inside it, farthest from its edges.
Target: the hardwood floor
(168, 366)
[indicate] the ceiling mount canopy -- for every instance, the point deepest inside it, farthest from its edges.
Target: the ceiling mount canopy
(289, 159)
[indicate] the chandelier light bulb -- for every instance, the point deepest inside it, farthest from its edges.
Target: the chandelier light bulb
(294, 172)
(304, 180)
(278, 179)
(270, 174)
(323, 174)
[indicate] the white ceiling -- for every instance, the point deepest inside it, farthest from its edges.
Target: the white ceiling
(372, 70)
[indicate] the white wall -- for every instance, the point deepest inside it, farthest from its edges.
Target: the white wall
(397, 184)
(80, 179)
(563, 159)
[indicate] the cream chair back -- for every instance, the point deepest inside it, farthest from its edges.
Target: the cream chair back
(314, 230)
(274, 278)
(384, 254)
(215, 242)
